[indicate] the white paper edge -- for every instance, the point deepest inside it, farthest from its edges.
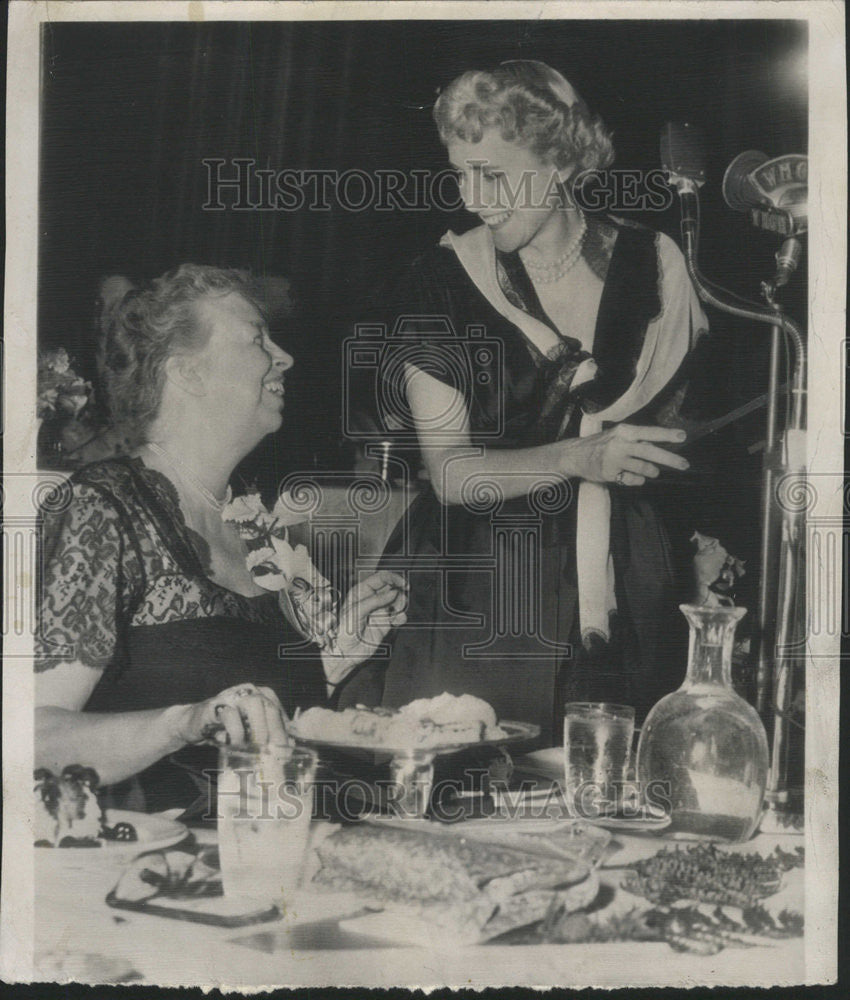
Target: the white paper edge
(827, 266)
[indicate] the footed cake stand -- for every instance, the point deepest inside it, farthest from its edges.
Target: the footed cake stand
(412, 768)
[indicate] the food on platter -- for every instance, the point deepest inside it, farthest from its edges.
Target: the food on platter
(423, 724)
(67, 811)
(468, 891)
(690, 929)
(699, 900)
(706, 874)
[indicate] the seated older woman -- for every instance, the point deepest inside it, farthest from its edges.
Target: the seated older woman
(152, 631)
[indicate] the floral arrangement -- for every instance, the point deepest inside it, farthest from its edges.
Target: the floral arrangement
(61, 392)
(277, 565)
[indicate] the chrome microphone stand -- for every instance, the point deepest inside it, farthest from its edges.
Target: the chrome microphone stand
(781, 603)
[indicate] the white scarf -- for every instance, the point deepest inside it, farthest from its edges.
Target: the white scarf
(669, 337)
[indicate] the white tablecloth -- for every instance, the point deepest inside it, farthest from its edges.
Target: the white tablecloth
(78, 937)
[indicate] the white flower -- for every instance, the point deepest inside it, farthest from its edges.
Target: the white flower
(56, 361)
(278, 566)
(296, 562)
(246, 508)
(263, 567)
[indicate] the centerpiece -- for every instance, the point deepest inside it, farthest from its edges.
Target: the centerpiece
(62, 395)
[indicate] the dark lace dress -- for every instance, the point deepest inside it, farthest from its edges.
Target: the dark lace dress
(493, 584)
(125, 591)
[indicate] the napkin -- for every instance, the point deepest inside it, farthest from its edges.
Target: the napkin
(188, 873)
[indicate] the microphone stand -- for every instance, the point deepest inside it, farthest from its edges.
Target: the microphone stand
(781, 605)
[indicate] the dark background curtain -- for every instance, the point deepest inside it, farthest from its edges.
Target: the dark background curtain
(131, 111)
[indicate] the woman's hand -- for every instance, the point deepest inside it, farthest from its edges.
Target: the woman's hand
(370, 610)
(238, 715)
(625, 455)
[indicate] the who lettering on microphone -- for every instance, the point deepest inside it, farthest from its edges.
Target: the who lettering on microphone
(774, 191)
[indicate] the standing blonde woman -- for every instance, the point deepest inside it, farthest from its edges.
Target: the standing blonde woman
(592, 319)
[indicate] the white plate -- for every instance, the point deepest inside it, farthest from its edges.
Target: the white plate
(547, 763)
(652, 821)
(512, 732)
(153, 832)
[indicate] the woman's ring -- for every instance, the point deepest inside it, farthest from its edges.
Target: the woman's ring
(243, 692)
(619, 479)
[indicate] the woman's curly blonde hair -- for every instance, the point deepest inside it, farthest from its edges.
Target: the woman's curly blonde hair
(531, 104)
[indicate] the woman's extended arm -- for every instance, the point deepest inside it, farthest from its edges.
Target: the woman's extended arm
(442, 424)
(120, 744)
(371, 609)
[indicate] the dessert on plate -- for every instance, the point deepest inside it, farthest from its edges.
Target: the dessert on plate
(68, 813)
(422, 724)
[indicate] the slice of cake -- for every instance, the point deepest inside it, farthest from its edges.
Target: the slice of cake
(67, 811)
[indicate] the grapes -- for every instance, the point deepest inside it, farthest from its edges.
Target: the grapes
(703, 873)
(121, 831)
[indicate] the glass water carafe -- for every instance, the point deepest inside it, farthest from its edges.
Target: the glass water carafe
(703, 748)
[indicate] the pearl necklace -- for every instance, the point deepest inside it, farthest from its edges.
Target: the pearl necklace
(548, 274)
(186, 474)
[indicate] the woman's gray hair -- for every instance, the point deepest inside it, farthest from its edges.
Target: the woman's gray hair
(153, 323)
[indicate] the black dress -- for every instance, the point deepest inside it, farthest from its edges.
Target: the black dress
(125, 592)
(475, 569)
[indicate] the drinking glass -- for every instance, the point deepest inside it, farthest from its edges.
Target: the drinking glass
(265, 804)
(597, 750)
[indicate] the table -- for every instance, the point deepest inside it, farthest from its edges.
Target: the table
(79, 937)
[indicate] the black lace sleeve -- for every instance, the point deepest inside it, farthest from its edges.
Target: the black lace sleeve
(88, 570)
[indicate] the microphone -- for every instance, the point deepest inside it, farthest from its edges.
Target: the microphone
(787, 259)
(683, 160)
(739, 191)
(683, 156)
(774, 192)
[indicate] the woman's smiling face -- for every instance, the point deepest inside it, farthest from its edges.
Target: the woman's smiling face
(508, 186)
(243, 369)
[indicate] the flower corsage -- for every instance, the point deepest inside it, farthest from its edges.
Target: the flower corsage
(276, 565)
(61, 392)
